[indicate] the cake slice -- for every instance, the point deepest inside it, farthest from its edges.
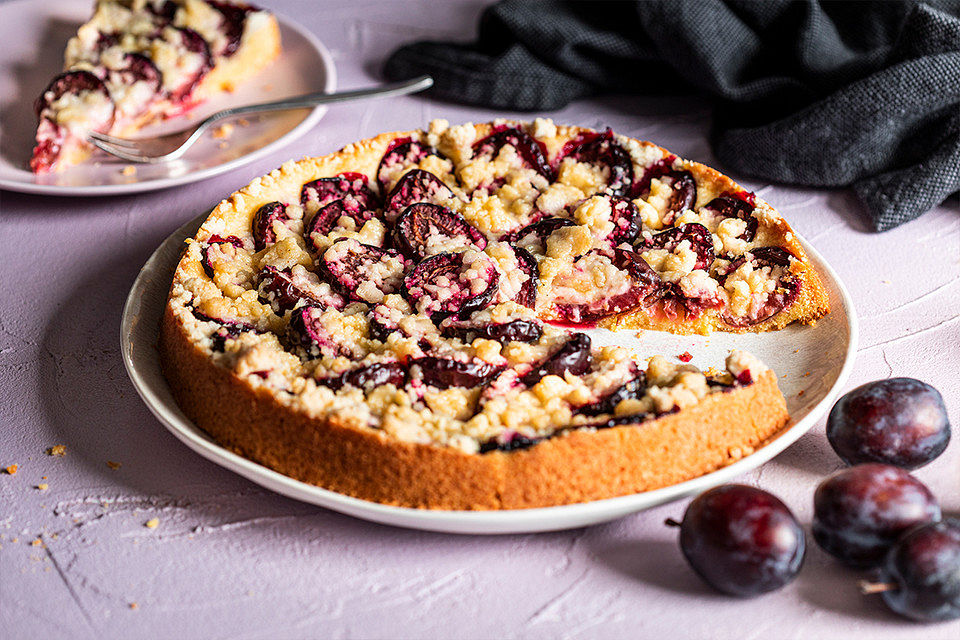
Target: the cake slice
(136, 61)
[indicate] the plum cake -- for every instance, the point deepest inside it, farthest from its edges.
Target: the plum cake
(408, 320)
(136, 61)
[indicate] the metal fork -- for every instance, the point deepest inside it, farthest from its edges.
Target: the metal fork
(173, 145)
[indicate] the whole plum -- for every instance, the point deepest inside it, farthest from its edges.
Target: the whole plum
(898, 421)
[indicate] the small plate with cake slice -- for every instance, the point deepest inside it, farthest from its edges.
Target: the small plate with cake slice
(139, 68)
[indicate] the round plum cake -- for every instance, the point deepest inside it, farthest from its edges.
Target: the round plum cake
(407, 320)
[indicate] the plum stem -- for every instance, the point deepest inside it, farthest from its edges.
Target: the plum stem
(670, 522)
(869, 588)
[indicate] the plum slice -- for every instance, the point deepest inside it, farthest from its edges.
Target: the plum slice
(573, 356)
(331, 217)
(444, 373)
(52, 136)
(730, 207)
(415, 186)
(601, 149)
(697, 235)
(527, 296)
(528, 148)
(633, 388)
(362, 272)
(264, 219)
(232, 243)
(286, 290)
(226, 329)
(135, 68)
(513, 441)
(75, 82)
(786, 292)
(402, 153)
(369, 377)
(636, 284)
(452, 283)
(626, 220)
(234, 17)
(423, 226)
(190, 41)
(350, 187)
(682, 183)
(309, 338)
(513, 331)
(534, 235)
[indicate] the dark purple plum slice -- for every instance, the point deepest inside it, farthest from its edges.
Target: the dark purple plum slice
(266, 216)
(214, 240)
(423, 224)
(634, 388)
(369, 377)
(193, 42)
(447, 284)
(527, 296)
(573, 356)
(444, 373)
(75, 82)
(602, 150)
(513, 441)
(234, 18)
(329, 217)
(351, 187)
(786, 292)
(136, 68)
(730, 207)
(684, 190)
(308, 338)
(536, 233)
(626, 220)
(227, 329)
(284, 291)
(402, 153)
(415, 186)
(699, 237)
(513, 331)
(641, 286)
(528, 148)
(360, 271)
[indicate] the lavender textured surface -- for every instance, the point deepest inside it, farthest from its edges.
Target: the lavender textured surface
(228, 559)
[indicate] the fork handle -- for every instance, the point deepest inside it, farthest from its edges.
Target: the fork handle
(318, 98)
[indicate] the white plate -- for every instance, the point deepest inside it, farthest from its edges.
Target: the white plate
(813, 359)
(34, 35)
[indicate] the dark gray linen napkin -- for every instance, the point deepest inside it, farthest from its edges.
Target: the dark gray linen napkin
(825, 94)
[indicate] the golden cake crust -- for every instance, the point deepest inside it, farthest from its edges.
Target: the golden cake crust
(576, 466)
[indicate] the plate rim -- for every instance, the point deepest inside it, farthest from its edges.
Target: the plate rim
(493, 522)
(308, 123)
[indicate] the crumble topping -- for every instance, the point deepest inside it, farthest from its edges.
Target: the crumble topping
(436, 335)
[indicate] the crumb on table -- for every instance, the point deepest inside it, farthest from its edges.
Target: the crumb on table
(11, 469)
(129, 170)
(114, 465)
(152, 523)
(57, 450)
(43, 486)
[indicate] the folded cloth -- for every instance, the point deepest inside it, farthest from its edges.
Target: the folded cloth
(825, 94)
